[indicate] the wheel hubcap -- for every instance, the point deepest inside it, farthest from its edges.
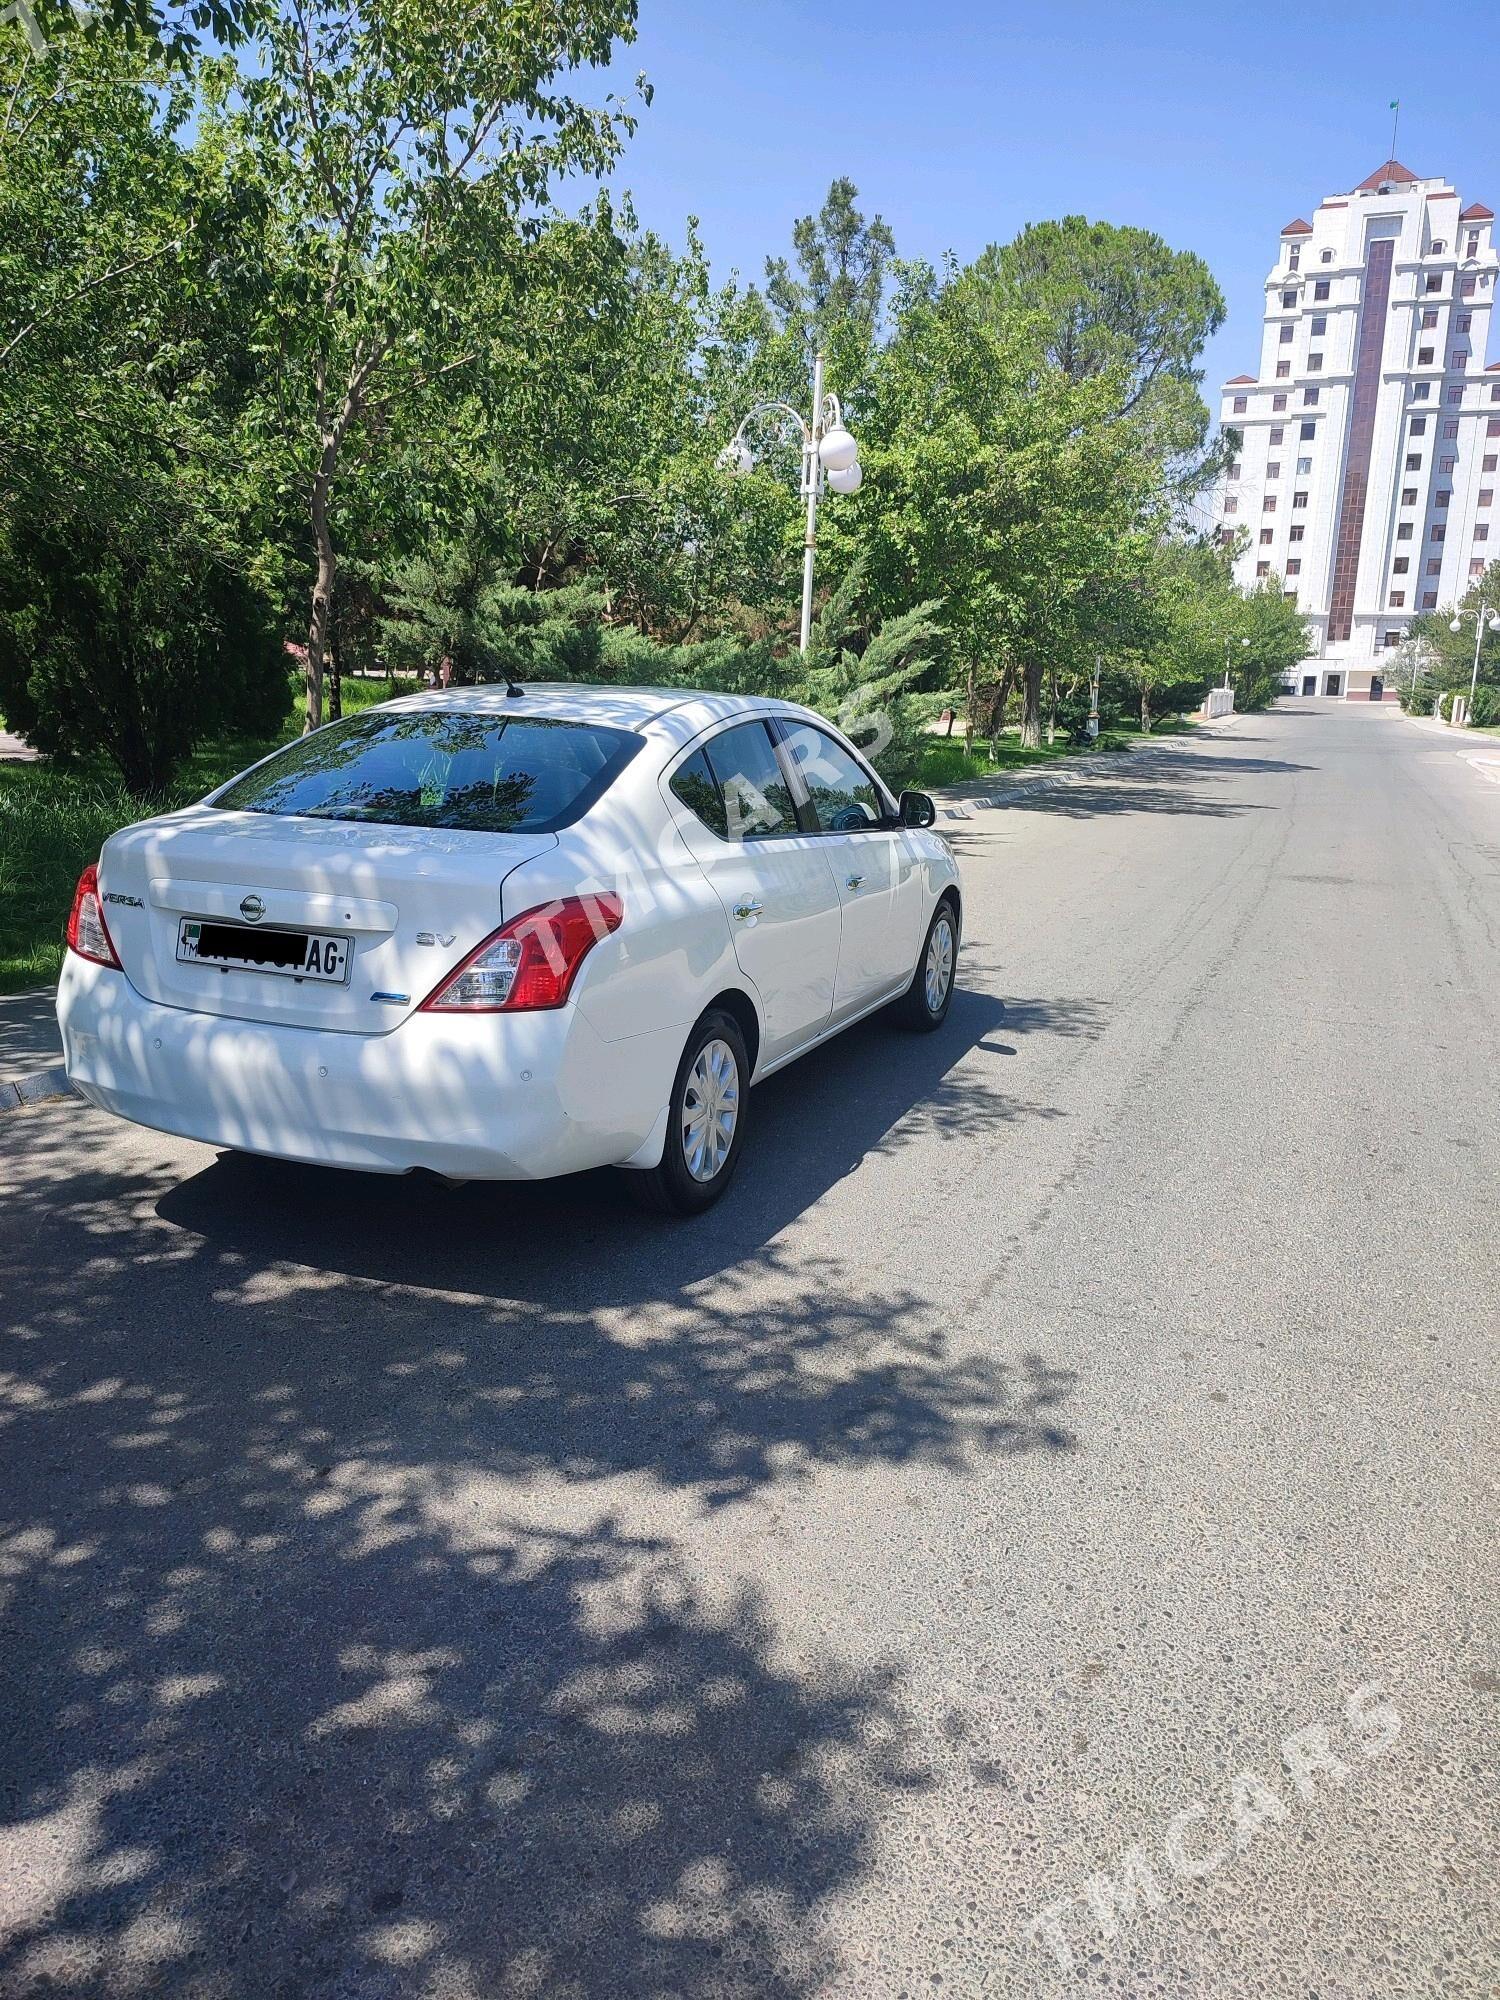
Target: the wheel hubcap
(938, 972)
(710, 1110)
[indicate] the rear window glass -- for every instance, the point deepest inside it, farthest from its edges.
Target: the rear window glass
(470, 773)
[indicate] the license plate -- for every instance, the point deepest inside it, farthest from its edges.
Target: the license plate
(239, 948)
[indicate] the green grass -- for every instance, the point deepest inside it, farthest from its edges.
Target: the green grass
(945, 761)
(53, 822)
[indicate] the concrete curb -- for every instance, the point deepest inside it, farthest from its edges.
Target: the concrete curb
(954, 801)
(41, 1086)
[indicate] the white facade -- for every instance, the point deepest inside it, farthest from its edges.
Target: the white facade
(1370, 434)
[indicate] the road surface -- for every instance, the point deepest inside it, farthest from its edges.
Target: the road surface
(1037, 1538)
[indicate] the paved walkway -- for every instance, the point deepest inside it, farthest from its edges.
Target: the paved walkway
(14, 748)
(30, 1049)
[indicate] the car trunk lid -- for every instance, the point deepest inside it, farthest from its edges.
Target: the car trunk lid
(410, 902)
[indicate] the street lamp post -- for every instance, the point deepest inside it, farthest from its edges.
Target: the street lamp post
(829, 457)
(1228, 642)
(1479, 614)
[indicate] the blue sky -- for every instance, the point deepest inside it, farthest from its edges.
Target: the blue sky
(962, 122)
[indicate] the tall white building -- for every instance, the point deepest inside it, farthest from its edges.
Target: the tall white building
(1370, 435)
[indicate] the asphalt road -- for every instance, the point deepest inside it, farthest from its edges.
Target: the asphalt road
(494, 1593)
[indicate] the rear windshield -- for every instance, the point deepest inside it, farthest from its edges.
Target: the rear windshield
(471, 773)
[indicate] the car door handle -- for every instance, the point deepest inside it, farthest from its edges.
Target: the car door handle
(855, 880)
(744, 911)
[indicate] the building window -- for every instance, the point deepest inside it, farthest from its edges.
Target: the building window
(1403, 531)
(1424, 357)
(1472, 249)
(1392, 639)
(1466, 288)
(1465, 321)
(1429, 600)
(1278, 402)
(1438, 534)
(1289, 298)
(1495, 392)
(1435, 281)
(1408, 496)
(1304, 465)
(1443, 495)
(1455, 395)
(1414, 461)
(1310, 395)
(1439, 245)
(1273, 468)
(1266, 538)
(1434, 565)
(1231, 504)
(1397, 599)
(1286, 335)
(1308, 430)
(1401, 565)
(1492, 428)
(1268, 505)
(1320, 291)
(1481, 533)
(1235, 469)
(1490, 462)
(1320, 324)
(1447, 465)
(1458, 358)
(1429, 316)
(1327, 257)
(1294, 567)
(1314, 363)
(1263, 569)
(1294, 258)
(1295, 534)
(1419, 427)
(1476, 566)
(1450, 427)
(1241, 404)
(1486, 495)
(1283, 369)
(1299, 500)
(1421, 391)
(1276, 434)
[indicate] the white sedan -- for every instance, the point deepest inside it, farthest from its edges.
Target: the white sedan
(507, 934)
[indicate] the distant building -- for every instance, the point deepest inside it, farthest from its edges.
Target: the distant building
(1371, 433)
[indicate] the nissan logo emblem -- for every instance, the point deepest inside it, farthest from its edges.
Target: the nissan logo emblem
(252, 909)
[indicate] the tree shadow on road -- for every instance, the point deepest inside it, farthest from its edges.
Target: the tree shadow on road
(330, 1667)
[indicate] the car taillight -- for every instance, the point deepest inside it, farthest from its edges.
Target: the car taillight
(88, 934)
(529, 963)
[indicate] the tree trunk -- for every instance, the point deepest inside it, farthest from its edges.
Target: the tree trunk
(335, 674)
(1145, 711)
(323, 583)
(971, 697)
(1031, 705)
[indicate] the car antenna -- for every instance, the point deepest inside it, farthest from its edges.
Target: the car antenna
(514, 689)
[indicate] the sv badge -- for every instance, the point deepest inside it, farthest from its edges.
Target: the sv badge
(440, 937)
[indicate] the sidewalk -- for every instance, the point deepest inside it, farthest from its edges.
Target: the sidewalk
(13, 748)
(31, 1068)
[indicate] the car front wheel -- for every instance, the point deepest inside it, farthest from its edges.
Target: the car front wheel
(705, 1123)
(924, 1005)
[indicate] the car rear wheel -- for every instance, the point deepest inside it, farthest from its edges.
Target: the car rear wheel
(925, 1003)
(705, 1122)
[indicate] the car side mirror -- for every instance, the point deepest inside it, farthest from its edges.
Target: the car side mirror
(916, 809)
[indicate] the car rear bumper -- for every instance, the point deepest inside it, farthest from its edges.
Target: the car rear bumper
(478, 1097)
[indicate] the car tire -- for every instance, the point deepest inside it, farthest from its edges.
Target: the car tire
(925, 1003)
(697, 1164)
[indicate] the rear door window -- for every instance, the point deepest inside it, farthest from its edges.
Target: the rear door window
(697, 787)
(757, 799)
(436, 768)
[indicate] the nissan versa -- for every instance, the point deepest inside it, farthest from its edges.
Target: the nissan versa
(504, 934)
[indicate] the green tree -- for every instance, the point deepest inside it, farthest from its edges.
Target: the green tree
(1119, 301)
(133, 565)
(833, 296)
(403, 147)
(1448, 656)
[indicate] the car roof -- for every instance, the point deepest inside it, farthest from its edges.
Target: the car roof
(684, 711)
